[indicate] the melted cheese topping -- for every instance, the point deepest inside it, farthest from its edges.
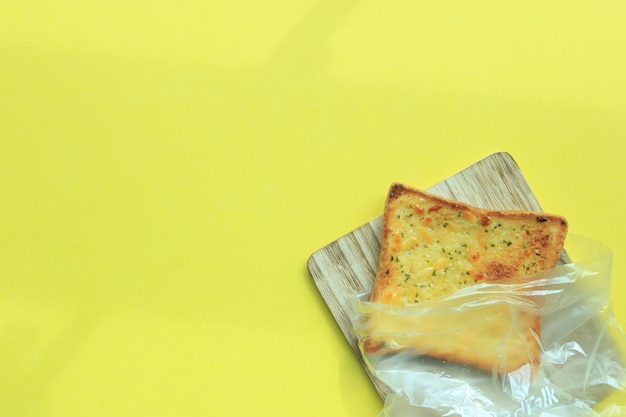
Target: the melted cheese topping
(437, 249)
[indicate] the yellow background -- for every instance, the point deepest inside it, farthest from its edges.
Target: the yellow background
(167, 167)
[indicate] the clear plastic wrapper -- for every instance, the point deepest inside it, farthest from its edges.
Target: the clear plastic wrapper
(581, 345)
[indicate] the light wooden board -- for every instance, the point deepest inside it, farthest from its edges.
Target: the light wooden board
(348, 265)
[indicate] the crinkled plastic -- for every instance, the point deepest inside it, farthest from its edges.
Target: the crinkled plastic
(582, 345)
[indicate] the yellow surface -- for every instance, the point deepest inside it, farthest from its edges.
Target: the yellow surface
(167, 167)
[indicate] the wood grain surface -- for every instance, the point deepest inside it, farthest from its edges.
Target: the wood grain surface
(348, 265)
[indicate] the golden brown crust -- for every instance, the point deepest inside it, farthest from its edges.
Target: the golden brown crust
(433, 246)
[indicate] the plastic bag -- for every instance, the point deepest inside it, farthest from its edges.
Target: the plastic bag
(582, 344)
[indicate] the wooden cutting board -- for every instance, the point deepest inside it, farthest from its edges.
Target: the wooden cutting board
(348, 265)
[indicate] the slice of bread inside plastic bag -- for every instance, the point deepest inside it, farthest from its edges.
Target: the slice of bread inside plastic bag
(432, 247)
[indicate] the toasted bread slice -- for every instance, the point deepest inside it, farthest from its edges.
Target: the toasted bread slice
(432, 246)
